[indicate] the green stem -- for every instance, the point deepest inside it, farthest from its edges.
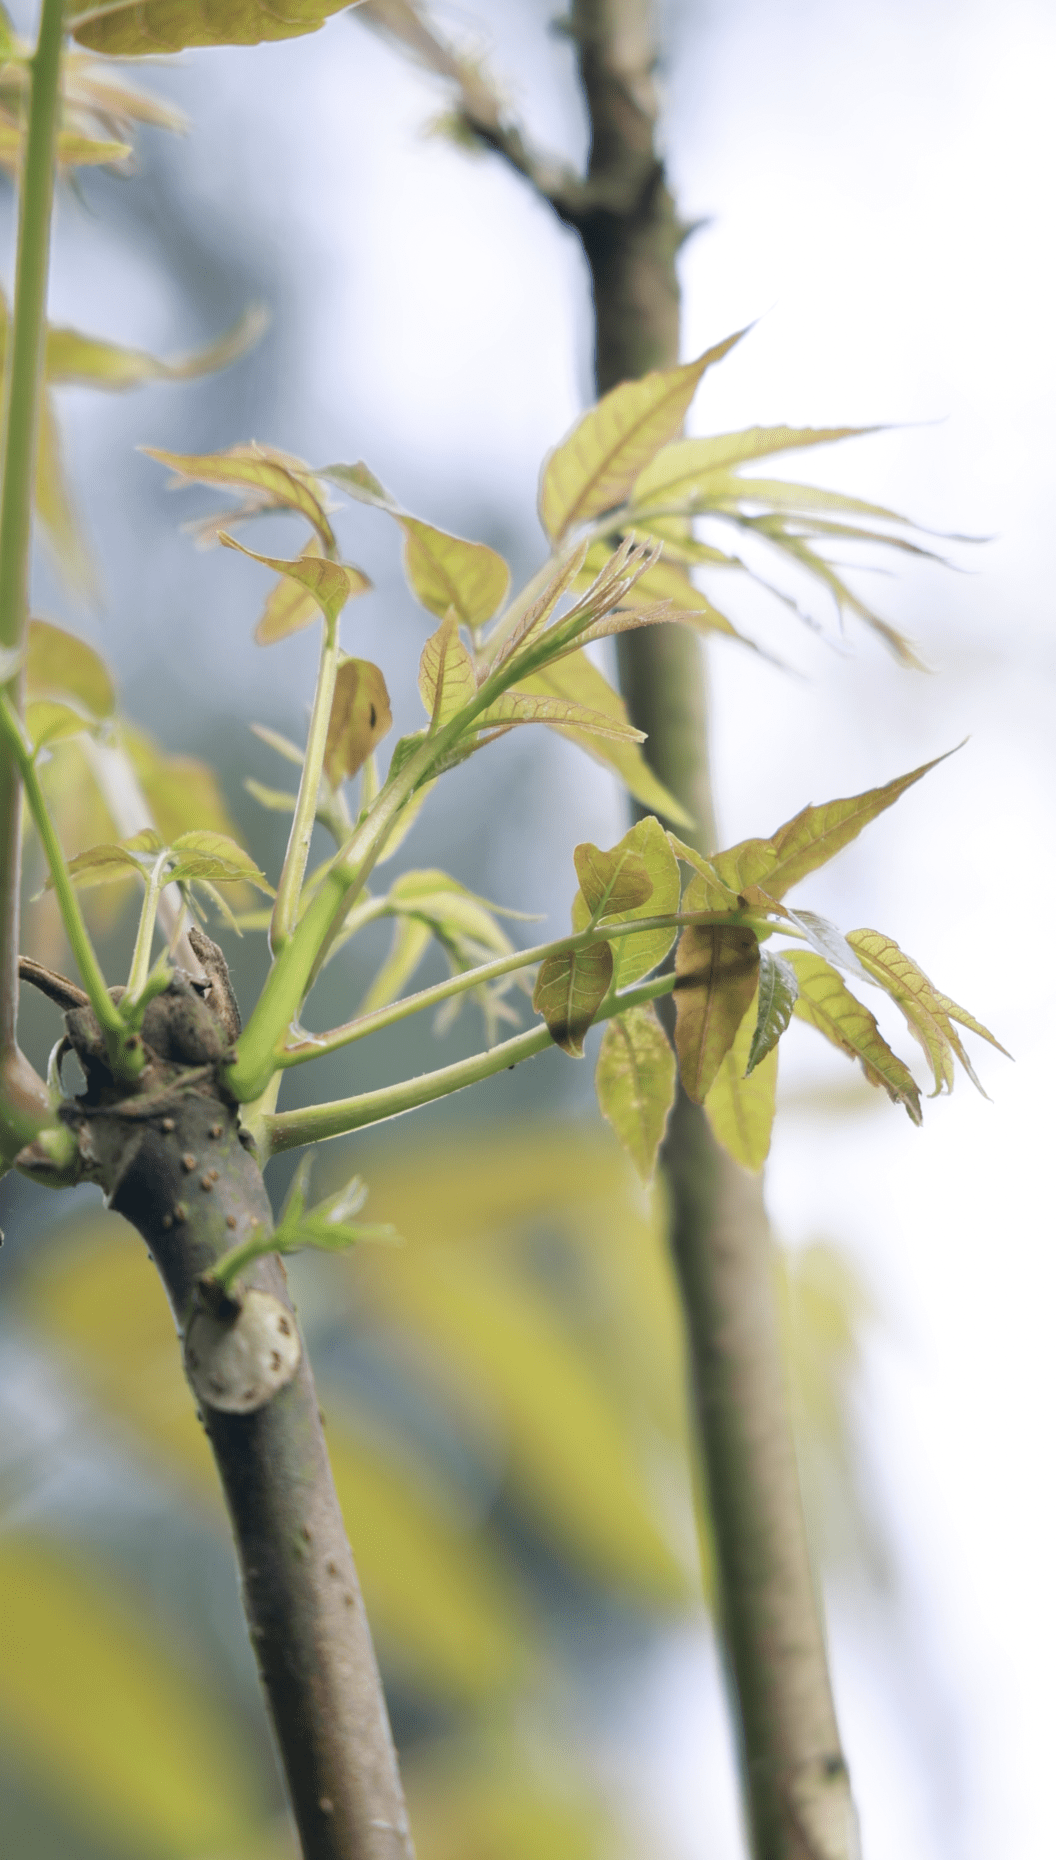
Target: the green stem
(124, 1050)
(21, 1091)
(357, 1029)
(288, 895)
(288, 1130)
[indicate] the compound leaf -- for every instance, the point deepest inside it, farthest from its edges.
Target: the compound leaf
(825, 1002)
(595, 467)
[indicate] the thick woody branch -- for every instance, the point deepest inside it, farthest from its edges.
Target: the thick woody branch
(172, 1160)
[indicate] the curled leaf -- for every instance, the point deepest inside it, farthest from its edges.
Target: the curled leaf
(330, 584)
(778, 988)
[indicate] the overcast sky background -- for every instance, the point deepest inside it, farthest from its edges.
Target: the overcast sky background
(881, 181)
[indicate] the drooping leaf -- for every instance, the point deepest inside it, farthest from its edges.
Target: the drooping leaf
(524, 706)
(330, 584)
(579, 679)
(611, 881)
(278, 482)
(928, 1014)
(778, 988)
(569, 990)
(87, 361)
(360, 717)
(203, 854)
(290, 606)
(48, 721)
(446, 679)
(675, 474)
(102, 94)
(825, 1002)
(740, 1102)
(608, 449)
(635, 956)
(60, 664)
(717, 968)
(446, 571)
(635, 1083)
(143, 28)
(816, 834)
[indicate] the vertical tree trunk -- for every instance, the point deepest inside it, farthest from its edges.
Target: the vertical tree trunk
(796, 1785)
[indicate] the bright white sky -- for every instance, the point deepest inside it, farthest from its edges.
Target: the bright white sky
(882, 183)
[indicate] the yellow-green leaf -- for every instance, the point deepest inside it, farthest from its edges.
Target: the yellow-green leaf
(635, 956)
(203, 854)
(56, 508)
(611, 881)
(635, 1083)
(608, 449)
(48, 721)
(280, 483)
(359, 718)
(717, 968)
(103, 1713)
(576, 677)
(746, 866)
(778, 988)
(928, 1014)
(446, 571)
(87, 361)
(290, 606)
(816, 834)
(569, 990)
(58, 662)
(73, 150)
(522, 706)
(410, 940)
(705, 891)
(825, 1002)
(677, 474)
(446, 679)
(143, 28)
(330, 584)
(739, 1104)
(111, 860)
